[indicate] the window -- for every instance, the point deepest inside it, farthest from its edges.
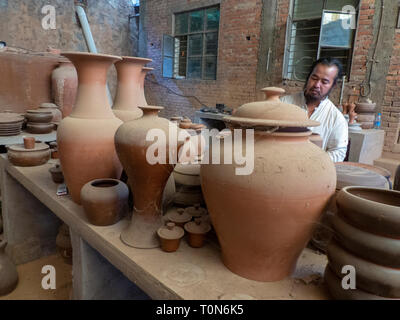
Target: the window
(192, 52)
(318, 28)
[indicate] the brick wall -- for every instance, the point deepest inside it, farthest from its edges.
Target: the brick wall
(237, 56)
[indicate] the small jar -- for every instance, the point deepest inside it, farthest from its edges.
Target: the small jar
(56, 174)
(178, 216)
(170, 237)
(197, 231)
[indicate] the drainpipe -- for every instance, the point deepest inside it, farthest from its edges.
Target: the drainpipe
(87, 33)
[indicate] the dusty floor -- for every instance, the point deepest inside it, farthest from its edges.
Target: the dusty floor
(30, 280)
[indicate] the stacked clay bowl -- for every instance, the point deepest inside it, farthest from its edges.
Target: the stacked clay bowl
(366, 114)
(10, 123)
(187, 184)
(366, 237)
(39, 121)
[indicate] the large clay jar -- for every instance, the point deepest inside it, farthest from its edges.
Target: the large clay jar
(142, 98)
(64, 86)
(85, 139)
(8, 272)
(264, 218)
(147, 180)
(129, 88)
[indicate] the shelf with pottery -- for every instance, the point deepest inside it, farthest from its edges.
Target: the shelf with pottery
(18, 139)
(188, 273)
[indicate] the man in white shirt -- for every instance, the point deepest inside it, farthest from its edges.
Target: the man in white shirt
(314, 99)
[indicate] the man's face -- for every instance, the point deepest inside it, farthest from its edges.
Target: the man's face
(320, 83)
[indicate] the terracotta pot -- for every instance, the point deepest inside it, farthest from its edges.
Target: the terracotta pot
(147, 180)
(129, 89)
(376, 279)
(55, 111)
(56, 174)
(105, 201)
(39, 128)
(64, 86)
(63, 243)
(85, 139)
(178, 216)
(8, 274)
(19, 156)
(197, 231)
(142, 98)
(170, 237)
(264, 219)
(38, 116)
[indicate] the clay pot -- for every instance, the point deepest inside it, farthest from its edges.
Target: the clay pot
(365, 107)
(55, 111)
(197, 231)
(56, 174)
(196, 211)
(39, 128)
(147, 180)
(8, 274)
(105, 201)
(63, 243)
(19, 156)
(29, 142)
(64, 86)
(178, 216)
(130, 88)
(187, 174)
(264, 219)
(170, 237)
(366, 117)
(142, 98)
(86, 138)
(38, 116)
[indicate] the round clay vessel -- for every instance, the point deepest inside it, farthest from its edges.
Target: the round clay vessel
(178, 216)
(142, 98)
(39, 128)
(64, 86)
(8, 274)
(373, 278)
(54, 109)
(170, 237)
(264, 217)
(105, 201)
(38, 116)
(129, 88)
(371, 209)
(85, 139)
(196, 211)
(185, 123)
(187, 174)
(147, 180)
(56, 174)
(19, 156)
(197, 231)
(365, 107)
(366, 117)
(63, 243)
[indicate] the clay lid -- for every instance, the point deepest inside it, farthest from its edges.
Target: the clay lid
(188, 169)
(178, 215)
(197, 226)
(196, 210)
(21, 148)
(170, 231)
(271, 112)
(49, 105)
(10, 117)
(38, 111)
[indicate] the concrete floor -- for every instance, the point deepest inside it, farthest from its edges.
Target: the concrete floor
(30, 278)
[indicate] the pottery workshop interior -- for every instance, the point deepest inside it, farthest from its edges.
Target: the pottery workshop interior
(199, 150)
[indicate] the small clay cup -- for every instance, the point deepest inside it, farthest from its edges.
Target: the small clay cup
(178, 216)
(56, 174)
(170, 237)
(197, 231)
(29, 142)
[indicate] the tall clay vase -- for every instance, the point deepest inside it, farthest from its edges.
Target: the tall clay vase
(142, 98)
(64, 86)
(264, 217)
(85, 139)
(146, 178)
(8, 272)
(128, 96)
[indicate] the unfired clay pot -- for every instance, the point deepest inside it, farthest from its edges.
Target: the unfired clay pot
(178, 216)
(142, 98)
(147, 180)
(39, 116)
(54, 109)
(105, 201)
(8, 272)
(170, 237)
(18, 155)
(64, 86)
(129, 90)
(39, 128)
(264, 219)
(85, 139)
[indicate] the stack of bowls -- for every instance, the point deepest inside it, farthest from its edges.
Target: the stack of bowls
(39, 121)
(10, 124)
(366, 113)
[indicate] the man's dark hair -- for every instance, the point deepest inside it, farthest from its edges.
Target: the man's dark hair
(328, 61)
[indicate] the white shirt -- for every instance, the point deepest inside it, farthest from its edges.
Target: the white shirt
(333, 129)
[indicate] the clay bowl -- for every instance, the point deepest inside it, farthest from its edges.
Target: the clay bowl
(39, 116)
(373, 210)
(39, 128)
(56, 174)
(365, 107)
(197, 231)
(105, 201)
(373, 278)
(19, 156)
(170, 237)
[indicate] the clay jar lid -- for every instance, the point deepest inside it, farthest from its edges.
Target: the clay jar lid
(170, 231)
(198, 226)
(270, 113)
(178, 215)
(21, 147)
(48, 105)
(196, 211)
